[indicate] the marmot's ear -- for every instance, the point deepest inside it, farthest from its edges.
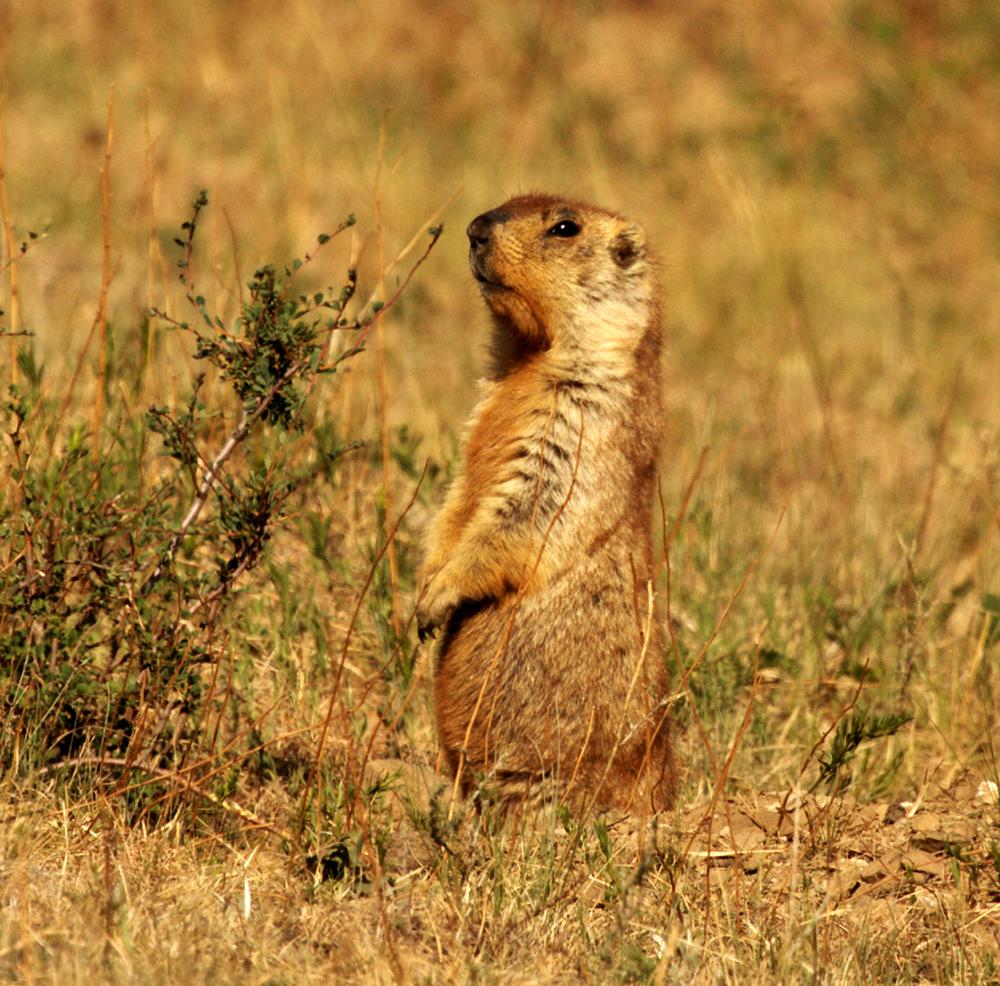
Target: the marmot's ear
(628, 246)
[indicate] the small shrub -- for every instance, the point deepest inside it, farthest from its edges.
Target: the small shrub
(851, 732)
(115, 569)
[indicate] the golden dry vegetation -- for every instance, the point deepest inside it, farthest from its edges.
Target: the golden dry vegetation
(823, 184)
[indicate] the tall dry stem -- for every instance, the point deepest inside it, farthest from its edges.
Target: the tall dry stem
(102, 304)
(383, 394)
(14, 300)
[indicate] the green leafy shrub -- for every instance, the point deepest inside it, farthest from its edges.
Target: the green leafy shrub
(115, 567)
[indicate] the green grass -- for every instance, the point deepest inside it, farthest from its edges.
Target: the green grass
(821, 185)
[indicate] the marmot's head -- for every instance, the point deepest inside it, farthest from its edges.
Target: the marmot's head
(558, 271)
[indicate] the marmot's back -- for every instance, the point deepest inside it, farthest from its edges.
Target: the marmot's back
(550, 673)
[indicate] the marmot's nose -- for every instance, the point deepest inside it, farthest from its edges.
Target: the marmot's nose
(482, 226)
(479, 230)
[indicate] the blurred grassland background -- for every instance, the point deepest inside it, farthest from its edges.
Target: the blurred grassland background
(821, 182)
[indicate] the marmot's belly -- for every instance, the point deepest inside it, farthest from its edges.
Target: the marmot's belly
(552, 683)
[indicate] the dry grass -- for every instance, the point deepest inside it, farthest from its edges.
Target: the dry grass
(822, 184)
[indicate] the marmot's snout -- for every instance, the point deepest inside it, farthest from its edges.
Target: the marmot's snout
(480, 232)
(481, 227)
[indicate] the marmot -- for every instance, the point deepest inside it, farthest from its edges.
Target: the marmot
(550, 673)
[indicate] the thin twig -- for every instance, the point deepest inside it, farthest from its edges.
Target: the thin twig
(359, 342)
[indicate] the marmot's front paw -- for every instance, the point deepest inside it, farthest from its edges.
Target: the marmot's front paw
(436, 605)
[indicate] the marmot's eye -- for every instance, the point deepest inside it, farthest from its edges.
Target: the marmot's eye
(565, 229)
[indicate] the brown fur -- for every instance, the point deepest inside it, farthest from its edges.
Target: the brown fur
(539, 563)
